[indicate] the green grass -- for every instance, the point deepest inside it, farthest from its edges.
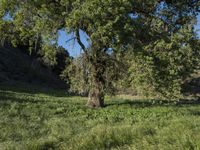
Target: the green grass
(41, 121)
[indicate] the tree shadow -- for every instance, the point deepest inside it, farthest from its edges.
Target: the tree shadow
(33, 89)
(153, 103)
(192, 86)
(195, 112)
(10, 97)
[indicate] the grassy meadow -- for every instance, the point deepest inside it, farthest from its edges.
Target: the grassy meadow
(51, 120)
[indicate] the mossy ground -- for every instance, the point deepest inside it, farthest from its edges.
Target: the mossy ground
(53, 120)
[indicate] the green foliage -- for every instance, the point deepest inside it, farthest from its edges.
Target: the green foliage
(76, 75)
(49, 54)
(79, 74)
(165, 64)
(62, 60)
(51, 120)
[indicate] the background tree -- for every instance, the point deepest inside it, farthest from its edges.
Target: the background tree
(79, 74)
(112, 27)
(164, 65)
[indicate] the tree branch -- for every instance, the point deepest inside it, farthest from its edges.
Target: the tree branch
(77, 34)
(73, 38)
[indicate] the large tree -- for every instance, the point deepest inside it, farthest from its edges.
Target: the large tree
(113, 27)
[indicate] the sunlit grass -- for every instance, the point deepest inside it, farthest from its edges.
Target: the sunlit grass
(46, 120)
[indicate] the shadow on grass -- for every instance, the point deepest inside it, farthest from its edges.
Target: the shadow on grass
(195, 112)
(153, 103)
(10, 97)
(34, 89)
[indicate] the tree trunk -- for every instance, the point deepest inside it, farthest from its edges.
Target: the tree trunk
(95, 99)
(97, 81)
(96, 96)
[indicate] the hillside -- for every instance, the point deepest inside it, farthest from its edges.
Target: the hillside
(18, 67)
